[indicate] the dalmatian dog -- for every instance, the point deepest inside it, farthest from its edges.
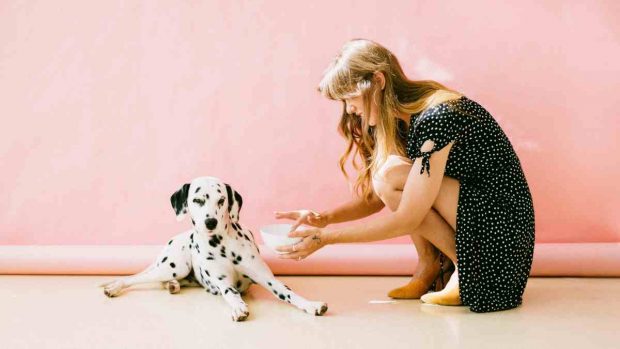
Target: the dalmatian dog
(217, 254)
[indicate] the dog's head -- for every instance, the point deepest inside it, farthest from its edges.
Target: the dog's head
(210, 202)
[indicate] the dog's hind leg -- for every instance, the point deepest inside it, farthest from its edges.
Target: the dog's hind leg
(173, 263)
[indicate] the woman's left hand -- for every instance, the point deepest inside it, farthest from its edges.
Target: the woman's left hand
(312, 240)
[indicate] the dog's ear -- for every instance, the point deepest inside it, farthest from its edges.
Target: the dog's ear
(234, 203)
(179, 201)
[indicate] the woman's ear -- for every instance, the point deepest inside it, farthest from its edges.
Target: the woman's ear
(380, 78)
(179, 201)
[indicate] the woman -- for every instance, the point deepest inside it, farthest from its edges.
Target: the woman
(474, 206)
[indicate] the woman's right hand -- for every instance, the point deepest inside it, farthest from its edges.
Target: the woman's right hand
(300, 217)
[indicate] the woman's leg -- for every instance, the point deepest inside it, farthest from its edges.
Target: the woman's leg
(446, 204)
(428, 255)
(437, 229)
(429, 266)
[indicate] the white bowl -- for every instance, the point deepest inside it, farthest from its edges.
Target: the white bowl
(275, 235)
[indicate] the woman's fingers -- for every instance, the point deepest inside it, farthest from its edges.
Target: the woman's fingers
(286, 214)
(287, 248)
(299, 222)
(294, 255)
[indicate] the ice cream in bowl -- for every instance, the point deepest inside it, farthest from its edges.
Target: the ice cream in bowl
(275, 235)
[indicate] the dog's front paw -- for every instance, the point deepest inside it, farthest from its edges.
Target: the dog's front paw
(240, 313)
(316, 308)
(114, 288)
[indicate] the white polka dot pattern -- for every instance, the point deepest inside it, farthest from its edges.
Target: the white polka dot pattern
(495, 213)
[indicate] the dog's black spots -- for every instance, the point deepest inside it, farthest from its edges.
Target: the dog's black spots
(288, 296)
(172, 265)
(207, 272)
(238, 283)
(210, 258)
(219, 191)
(252, 256)
(233, 253)
(191, 237)
(169, 242)
(226, 226)
(207, 196)
(164, 260)
(183, 248)
(268, 283)
(223, 251)
(193, 223)
(274, 292)
(281, 296)
(197, 190)
(215, 240)
(225, 292)
(221, 277)
(246, 237)
(234, 291)
(239, 234)
(289, 302)
(197, 249)
(174, 275)
(236, 260)
(288, 288)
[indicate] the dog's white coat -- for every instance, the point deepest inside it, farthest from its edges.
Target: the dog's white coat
(224, 260)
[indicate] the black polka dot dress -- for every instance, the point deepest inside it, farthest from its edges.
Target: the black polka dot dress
(495, 214)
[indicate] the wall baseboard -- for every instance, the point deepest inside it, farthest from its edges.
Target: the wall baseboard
(550, 259)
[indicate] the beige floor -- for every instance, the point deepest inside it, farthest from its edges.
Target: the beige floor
(71, 312)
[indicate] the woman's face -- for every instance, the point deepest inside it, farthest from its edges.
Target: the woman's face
(355, 105)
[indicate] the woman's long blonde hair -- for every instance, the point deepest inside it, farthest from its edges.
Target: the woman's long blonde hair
(351, 74)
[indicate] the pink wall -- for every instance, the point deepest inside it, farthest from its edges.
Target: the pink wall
(108, 107)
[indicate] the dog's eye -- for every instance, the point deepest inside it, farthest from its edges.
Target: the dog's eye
(221, 202)
(198, 201)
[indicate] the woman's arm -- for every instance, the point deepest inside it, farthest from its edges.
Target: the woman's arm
(417, 199)
(355, 209)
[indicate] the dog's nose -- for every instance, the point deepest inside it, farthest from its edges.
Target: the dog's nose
(211, 223)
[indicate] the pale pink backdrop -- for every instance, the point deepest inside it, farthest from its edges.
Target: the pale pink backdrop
(108, 107)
